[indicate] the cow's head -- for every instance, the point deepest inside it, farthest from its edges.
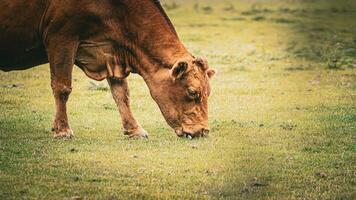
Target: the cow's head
(182, 95)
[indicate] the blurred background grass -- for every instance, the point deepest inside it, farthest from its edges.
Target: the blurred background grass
(282, 114)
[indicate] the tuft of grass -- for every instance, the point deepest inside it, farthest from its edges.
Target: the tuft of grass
(284, 21)
(258, 18)
(233, 19)
(207, 9)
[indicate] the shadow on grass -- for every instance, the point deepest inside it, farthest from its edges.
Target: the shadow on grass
(325, 32)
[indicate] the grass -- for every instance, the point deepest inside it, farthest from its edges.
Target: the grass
(282, 113)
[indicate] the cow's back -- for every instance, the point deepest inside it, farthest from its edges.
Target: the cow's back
(21, 46)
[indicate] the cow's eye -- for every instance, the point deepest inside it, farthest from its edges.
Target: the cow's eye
(192, 93)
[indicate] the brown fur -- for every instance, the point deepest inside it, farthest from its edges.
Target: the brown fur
(108, 39)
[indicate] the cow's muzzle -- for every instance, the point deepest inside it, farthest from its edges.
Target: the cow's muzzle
(201, 132)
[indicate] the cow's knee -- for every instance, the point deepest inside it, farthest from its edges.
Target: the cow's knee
(62, 92)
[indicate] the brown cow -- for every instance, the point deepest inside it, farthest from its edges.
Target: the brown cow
(108, 39)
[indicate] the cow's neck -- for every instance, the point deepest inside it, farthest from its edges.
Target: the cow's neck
(153, 40)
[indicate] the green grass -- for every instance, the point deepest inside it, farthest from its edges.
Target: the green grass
(282, 114)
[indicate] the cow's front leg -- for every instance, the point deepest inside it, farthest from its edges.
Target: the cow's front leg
(121, 95)
(61, 58)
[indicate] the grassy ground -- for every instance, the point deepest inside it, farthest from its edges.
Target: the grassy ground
(282, 113)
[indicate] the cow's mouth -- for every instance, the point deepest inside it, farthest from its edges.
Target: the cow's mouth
(185, 134)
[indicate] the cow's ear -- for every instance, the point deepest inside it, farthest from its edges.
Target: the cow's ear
(179, 69)
(211, 72)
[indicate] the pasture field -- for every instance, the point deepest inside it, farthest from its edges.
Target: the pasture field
(282, 114)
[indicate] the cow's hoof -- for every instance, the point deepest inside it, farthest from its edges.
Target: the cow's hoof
(137, 134)
(67, 134)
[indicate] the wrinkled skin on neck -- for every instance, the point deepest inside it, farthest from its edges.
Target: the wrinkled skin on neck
(182, 96)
